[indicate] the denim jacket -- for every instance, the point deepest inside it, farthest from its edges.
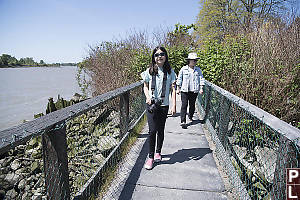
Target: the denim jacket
(183, 79)
(171, 78)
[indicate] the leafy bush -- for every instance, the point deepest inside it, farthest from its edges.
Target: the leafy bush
(262, 67)
(212, 61)
(177, 56)
(117, 63)
(264, 70)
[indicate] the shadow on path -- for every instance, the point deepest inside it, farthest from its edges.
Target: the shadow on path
(135, 173)
(184, 155)
(194, 122)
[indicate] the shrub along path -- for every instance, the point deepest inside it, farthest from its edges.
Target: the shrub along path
(187, 169)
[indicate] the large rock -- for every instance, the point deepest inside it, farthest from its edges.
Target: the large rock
(15, 165)
(106, 143)
(11, 194)
(12, 178)
(22, 184)
(266, 158)
(4, 170)
(37, 196)
(100, 158)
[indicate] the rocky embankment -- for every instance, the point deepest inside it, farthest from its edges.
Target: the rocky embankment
(90, 138)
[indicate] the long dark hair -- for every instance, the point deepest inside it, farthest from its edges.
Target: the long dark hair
(153, 67)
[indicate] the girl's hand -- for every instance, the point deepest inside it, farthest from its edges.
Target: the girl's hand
(201, 91)
(148, 101)
(173, 110)
(178, 90)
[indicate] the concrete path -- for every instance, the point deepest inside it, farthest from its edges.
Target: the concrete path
(187, 170)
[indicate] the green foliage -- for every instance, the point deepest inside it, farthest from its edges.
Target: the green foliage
(140, 62)
(6, 60)
(182, 29)
(258, 66)
(218, 18)
(82, 79)
(247, 136)
(123, 61)
(177, 56)
(212, 61)
(236, 51)
(114, 64)
(182, 35)
(10, 61)
(245, 66)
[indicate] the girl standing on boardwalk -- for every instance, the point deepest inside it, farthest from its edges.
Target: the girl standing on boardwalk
(190, 82)
(158, 79)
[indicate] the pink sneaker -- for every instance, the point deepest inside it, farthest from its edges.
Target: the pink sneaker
(157, 157)
(149, 163)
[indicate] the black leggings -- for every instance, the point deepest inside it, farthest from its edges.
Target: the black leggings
(156, 123)
(187, 98)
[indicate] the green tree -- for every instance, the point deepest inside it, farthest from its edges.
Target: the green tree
(29, 61)
(218, 18)
(22, 61)
(8, 60)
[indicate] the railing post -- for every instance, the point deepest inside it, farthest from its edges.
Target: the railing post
(286, 158)
(207, 103)
(124, 113)
(224, 121)
(56, 164)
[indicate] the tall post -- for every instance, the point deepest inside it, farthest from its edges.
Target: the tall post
(56, 164)
(224, 121)
(124, 112)
(287, 157)
(206, 105)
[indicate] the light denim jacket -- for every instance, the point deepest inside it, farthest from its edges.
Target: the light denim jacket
(183, 79)
(171, 78)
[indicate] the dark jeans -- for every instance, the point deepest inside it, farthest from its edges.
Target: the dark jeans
(156, 123)
(187, 98)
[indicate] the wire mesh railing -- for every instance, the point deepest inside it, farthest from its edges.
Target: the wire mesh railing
(253, 147)
(67, 153)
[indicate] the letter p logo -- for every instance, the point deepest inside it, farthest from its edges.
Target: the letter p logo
(292, 183)
(293, 174)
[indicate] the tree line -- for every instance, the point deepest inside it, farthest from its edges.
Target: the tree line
(250, 48)
(10, 61)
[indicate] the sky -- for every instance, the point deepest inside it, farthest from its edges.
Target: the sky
(62, 30)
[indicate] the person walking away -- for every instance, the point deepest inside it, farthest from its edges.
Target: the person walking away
(190, 82)
(158, 79)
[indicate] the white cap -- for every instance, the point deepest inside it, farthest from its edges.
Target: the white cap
(192, 56)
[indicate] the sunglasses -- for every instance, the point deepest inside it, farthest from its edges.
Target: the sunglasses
(159, 54)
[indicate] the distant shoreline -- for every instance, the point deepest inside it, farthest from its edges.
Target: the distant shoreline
(30, 66)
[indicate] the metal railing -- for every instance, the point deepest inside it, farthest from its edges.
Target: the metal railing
(253, 147)
(65, 154)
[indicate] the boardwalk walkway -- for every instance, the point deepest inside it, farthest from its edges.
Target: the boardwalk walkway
(187, 170)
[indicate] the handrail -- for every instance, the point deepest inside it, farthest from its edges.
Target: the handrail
(238, 129)
(289, 131)
(62, 149)
(253, 146)
(16, 135)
